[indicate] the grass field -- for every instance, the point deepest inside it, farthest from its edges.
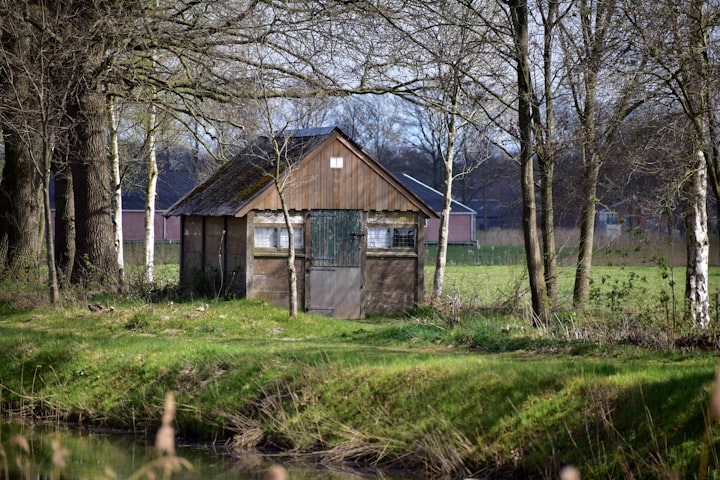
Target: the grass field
(465, 388)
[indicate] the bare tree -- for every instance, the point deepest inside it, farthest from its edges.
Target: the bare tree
(443, 40)
(599, 60)
(518, 12)
(675, 36)
(543, 114)
(282, 176)
(276, 160)
(21, 201)
(35, 112)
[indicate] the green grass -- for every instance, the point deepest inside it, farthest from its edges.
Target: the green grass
(639, 289)
(414, 392)
(466, 387)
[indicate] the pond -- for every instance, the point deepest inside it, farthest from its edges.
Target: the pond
(96, 455)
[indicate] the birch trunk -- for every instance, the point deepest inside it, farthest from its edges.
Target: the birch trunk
(698, 245)
(441, 258)
(116, 193)
(696, 72)
(292, 273)
(150, 197)
(49, 240)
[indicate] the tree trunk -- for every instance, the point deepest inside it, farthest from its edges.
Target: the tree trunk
(546, 157)
(116, 193)
(21, 201)
(49, 237)
(95, 258)
(292, 273)
(64, 218)
(538, 291)
(548, 229)
(698, 244)
(150, 197)
(21, 205)
(695, 72)
(587, 234)
(441, 257)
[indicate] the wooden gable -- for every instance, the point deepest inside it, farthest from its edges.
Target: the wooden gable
(337, 175)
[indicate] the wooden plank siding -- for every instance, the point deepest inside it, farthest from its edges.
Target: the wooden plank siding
(358, 185)
(236, 255)
(386, 286)
(214, 242)
(270, 279)
(191, 257)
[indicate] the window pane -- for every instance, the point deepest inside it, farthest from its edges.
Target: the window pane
(297, 235)
(403, 237)
(379, 238)
(265, 237)
(282, 233)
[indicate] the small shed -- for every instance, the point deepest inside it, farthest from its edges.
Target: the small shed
(461, 226)
(358, 231)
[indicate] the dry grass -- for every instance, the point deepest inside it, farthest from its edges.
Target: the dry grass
(27, 466)
(628, 248)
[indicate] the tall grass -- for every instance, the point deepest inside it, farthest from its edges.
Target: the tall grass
(630, 248)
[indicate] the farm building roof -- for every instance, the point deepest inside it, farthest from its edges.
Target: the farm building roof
(430, 196)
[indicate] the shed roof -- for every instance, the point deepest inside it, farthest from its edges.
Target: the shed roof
(235, 185)
(430, 196)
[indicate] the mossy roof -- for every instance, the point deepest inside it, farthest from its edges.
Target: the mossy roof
(241, 179)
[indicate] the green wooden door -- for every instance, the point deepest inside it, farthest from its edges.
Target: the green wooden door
(335, 273)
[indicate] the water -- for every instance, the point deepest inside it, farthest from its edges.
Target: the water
(96, 455)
